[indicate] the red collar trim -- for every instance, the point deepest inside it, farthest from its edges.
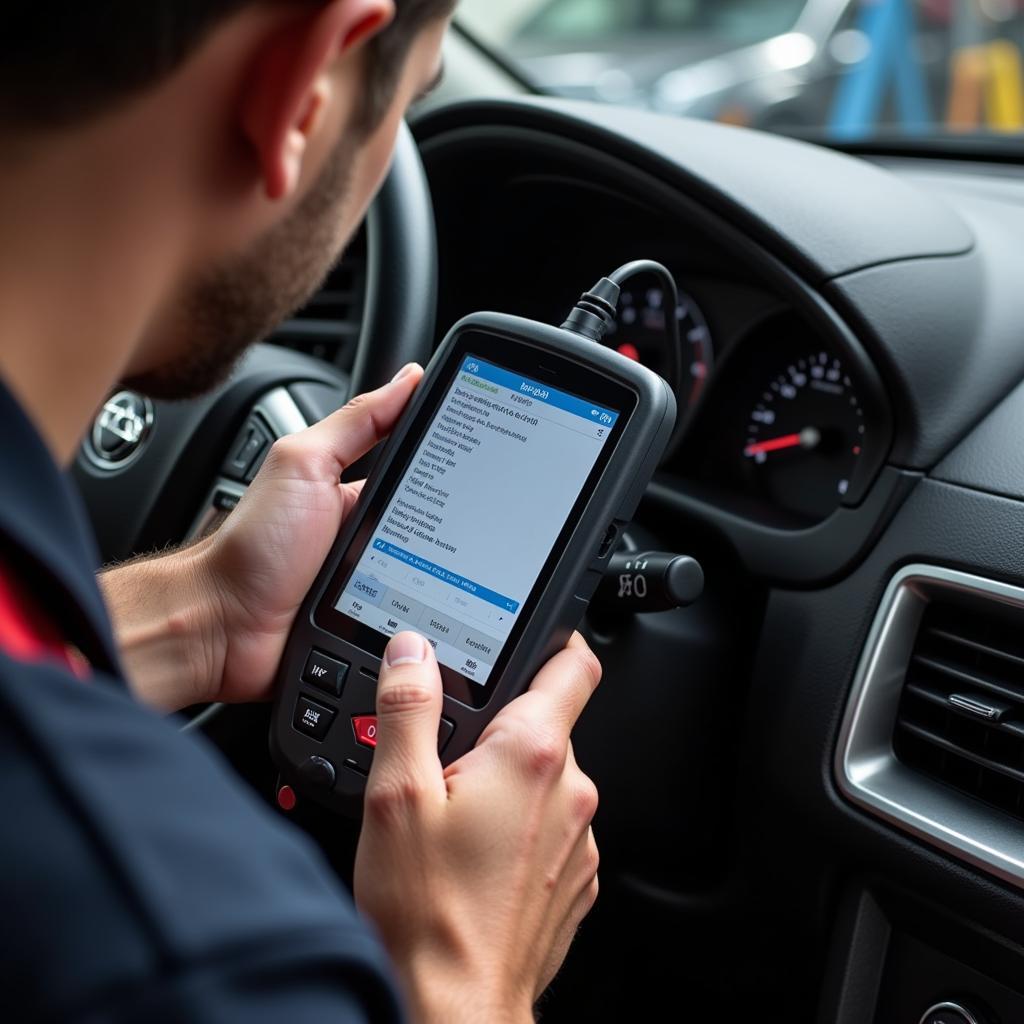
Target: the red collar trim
(27, 634)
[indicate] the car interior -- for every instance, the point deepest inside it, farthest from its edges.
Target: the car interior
(812, 778)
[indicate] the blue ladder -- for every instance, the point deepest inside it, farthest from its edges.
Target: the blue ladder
(889, 26)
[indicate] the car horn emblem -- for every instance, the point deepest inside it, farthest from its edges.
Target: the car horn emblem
(120, 431)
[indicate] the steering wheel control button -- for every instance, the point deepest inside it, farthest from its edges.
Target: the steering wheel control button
(286, 798)
(951, 1013)
(365, 728)
(354, 766)
(246, 456)
(313, 719)
(326, 673)
(444, 734)
(225, 501)
(318, 772)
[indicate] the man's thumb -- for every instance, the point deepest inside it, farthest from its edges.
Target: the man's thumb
(409, 702)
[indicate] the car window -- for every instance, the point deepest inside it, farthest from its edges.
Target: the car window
(845, 69)
(576, 20)
(581, 19)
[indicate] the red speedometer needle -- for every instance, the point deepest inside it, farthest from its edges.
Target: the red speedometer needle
(808, 438)
(775, 445)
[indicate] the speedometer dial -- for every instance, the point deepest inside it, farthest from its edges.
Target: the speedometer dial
(805, 436)
(641, 335)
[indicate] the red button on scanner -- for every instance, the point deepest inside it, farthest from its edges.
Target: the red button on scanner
(365, 727)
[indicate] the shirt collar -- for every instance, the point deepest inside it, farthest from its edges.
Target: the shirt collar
(46, 538)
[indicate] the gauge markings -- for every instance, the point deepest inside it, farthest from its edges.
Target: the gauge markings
(640, 335)
(805, 436)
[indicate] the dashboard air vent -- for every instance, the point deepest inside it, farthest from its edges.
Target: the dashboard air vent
(328, 326)
(961, 716)
(932, 739)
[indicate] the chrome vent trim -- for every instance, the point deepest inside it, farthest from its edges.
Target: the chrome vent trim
(867, 770)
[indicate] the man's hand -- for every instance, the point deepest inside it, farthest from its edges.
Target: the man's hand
(209, 623)
(266, 556)
(479, 874)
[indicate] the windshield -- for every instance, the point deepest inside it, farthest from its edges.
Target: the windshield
(846, 69)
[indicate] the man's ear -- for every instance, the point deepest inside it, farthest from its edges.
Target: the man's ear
(288, 85)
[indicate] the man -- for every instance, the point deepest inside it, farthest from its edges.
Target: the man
(177, 175)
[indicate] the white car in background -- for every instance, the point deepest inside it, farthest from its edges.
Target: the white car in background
(766, 63)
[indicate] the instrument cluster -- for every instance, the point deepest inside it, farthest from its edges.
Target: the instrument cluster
(777, 421)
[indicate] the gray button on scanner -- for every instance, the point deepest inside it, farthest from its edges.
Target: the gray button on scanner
(436, 626)
(479, 645)
(402, 607)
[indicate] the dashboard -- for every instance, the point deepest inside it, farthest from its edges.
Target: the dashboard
(846, 328)
(804, 816)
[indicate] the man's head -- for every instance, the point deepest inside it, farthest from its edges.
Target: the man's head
(267, 125)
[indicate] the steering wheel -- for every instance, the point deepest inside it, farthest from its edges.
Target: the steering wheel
(157, 473)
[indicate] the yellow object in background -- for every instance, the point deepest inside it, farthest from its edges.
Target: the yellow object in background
(987, 88)
(1005, 87)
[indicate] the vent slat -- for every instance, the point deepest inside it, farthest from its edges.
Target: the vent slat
(971, 678)
(967, 755)
(975, 655)
(934, 696)
(318, 329)
(974, 645)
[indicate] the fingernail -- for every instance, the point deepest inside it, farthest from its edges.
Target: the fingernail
(405, 371)
(406, 649)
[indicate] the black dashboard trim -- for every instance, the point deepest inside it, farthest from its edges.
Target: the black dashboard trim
(796, 558)
(781, 206)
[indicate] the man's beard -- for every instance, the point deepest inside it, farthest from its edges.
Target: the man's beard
(225, 311)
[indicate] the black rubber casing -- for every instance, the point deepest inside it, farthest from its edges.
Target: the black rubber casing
(556, 606)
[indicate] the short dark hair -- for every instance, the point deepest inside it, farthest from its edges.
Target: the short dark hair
(66, 61)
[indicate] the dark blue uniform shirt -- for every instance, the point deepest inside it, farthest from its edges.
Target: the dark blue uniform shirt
(139, 881)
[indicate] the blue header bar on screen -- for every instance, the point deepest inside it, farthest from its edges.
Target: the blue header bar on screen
(446, 576)
(538, 392)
